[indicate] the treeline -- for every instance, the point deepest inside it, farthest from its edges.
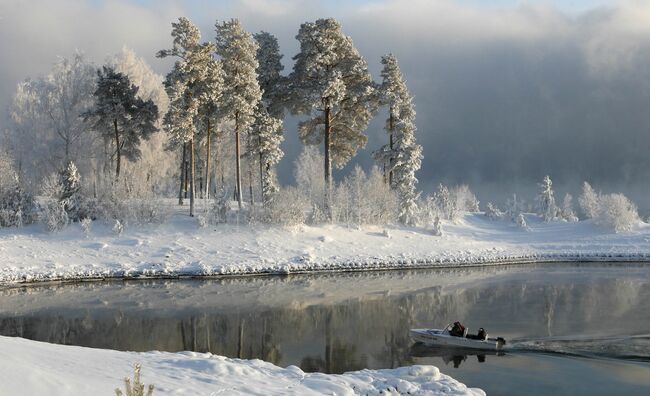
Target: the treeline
(215, 123)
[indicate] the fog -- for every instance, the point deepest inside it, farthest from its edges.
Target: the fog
(505, 93)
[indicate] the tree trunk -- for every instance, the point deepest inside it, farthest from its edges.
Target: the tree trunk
(237, 161)
(180, 190)
(192, 189)
(259, 146)
(119, 153)
(328, 165)
(391, 127)
(207, 164)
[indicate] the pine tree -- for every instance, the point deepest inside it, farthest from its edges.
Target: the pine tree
(402, 156)
(70, 181)
(241, 92)
(272, 84)
(546, 200)
(266, 133)
(331, 83)
(189, 87)
(121, 116)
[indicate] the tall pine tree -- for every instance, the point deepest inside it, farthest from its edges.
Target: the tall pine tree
(268, 126)
(331, 84)
(121, 116)
(189, 87)
(241, 93)
(402, 156)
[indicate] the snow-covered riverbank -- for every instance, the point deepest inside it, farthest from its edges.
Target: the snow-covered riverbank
(180, 248)
(36, 368)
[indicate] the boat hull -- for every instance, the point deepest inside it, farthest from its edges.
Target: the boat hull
(435, 337)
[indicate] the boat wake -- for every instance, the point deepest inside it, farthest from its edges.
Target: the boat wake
(627, 347)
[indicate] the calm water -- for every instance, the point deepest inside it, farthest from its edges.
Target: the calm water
(572, 329)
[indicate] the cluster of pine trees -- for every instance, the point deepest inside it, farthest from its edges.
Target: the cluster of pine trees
(224, 100)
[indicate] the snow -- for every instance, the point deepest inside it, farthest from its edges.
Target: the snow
(36, 368)
(180, 248)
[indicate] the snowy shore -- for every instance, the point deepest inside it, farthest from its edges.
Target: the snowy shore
(37, 368)
(179, 248)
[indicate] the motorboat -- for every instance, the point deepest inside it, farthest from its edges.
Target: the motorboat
(446, 337)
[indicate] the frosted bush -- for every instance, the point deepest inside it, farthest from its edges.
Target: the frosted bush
(616, 212)
(492, 212)
(316, 215)
(86, 224)
(220, 207)
(54, 215)
(589, 201)
(118, 228)
(428, 212)
(288, 208)
(437, 227)
(361, 199)
(567, 212)
(514, 207)
(464, 198)
(520, 220)
(446, 204)
(17, 206)
(202, 221)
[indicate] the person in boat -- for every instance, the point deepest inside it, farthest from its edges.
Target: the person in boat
(457, 330)
(481, 335)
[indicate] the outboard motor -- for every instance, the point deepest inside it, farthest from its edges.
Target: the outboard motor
(500, 342)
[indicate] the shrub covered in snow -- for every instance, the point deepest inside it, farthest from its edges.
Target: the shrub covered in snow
(445, 203)
(364, 199)
(437, 227)
(492, 212)
(520, 220)
(464, 198)
(17, 206)
(567, 212)
(288, 207)
(616, 212)
(514, 207)
(589, 201)
(86, 225)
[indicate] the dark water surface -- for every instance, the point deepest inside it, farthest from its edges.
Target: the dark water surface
(573, 329)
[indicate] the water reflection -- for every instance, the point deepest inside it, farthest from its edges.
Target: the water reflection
(333, 323)
(455, 356)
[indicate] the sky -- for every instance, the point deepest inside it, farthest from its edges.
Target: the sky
(506, 91)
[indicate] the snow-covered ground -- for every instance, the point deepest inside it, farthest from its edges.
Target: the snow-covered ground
(36, 368)
(180, 248)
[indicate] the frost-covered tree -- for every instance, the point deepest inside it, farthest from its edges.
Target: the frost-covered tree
(402, 156)
(330, 82)
(121, 116)
(617, 212)
(308, 173)
(186, 89)
(70, 185)
(241, 92)
(210, 93)
(48, 127)
(546, 200)
(589, 201)
(446, 205)
(17, 207)
(273, 86)
(272, 83)
(567, 209)
(514, 207)
(266, 134)
(158, 164)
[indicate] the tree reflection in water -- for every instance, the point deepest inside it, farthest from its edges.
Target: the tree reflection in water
(330, 323)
